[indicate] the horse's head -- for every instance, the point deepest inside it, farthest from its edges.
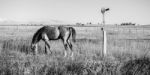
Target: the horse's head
(34, 48)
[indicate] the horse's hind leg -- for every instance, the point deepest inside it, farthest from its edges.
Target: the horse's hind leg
(66, 47)
(70, 45)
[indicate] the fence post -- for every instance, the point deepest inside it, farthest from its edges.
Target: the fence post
(104, 51)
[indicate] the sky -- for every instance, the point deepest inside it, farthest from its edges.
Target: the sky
(73, 11)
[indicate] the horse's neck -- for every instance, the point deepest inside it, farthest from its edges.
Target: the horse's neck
(36, 37)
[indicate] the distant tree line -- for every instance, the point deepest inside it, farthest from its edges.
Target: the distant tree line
(81, 24)
(128, 23)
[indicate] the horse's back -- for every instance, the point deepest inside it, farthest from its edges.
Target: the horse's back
(52, 32)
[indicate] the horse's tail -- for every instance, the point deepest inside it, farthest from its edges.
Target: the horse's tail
(73, 33)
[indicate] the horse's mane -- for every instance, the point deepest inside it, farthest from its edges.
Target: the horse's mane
(37, 35)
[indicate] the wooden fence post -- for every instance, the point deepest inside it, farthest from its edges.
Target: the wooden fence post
(104, 51)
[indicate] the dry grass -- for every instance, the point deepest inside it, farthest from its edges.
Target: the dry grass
(124, 51)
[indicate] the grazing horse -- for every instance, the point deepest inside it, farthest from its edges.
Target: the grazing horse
(47, 33)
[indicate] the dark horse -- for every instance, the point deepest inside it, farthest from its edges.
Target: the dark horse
(47, 33)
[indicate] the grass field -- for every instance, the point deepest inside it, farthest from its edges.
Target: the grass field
(126, 46)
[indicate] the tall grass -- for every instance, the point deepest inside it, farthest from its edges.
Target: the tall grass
(16, 59)
(124, 54)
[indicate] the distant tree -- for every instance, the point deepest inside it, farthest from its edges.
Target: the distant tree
(127, 23)
(79, 24)
(89, 23)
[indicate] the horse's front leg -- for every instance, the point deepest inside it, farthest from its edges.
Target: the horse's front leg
(47, 44)
(45, 49)
(35, 49)
(46, 40)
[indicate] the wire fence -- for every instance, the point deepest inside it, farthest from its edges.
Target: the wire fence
(131, 39)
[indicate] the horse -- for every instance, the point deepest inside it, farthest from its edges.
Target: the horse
(47, 33)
